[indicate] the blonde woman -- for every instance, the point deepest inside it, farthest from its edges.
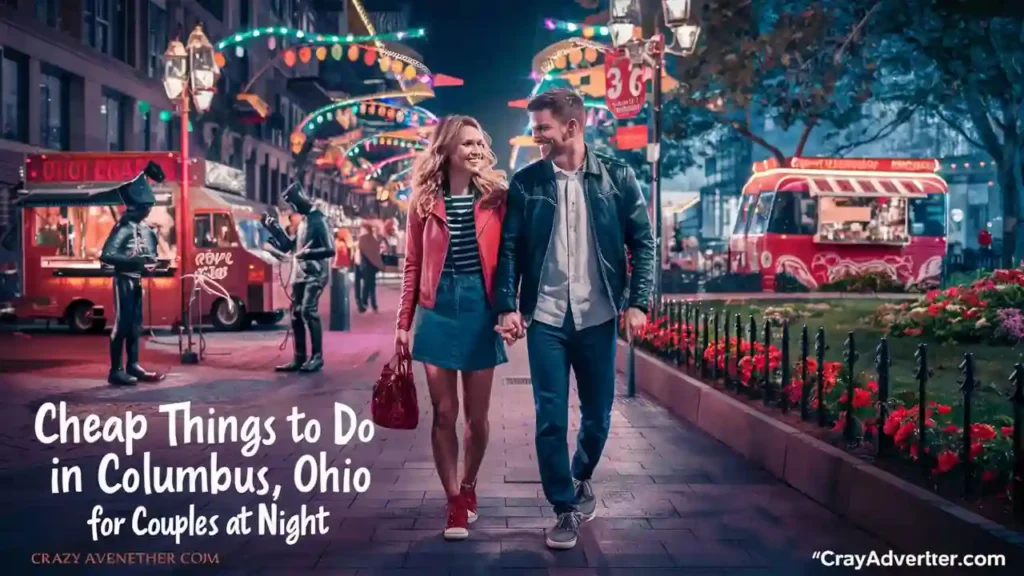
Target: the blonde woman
(454, 228)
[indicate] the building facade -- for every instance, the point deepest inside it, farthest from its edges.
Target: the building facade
(86, 75)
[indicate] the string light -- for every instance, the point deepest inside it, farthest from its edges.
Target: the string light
(285, 32)
(371, 98)
(574, 27)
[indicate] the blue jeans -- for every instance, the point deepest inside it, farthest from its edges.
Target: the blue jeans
(591, 354)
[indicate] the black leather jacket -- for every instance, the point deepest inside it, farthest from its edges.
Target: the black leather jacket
(618, 220)
(129, 247)
(319, 245)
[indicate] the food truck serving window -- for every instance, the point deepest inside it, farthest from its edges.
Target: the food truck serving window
(78, 232)
(928, 216)
(862, 220)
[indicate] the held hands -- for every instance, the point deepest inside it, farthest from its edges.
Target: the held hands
(511, 327)
(402, 342)
(635, 321)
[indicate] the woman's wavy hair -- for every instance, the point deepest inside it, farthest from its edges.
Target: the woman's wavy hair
(430, 170)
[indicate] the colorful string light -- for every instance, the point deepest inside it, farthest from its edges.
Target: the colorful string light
(318, 116)
(305, 38)
(586, 30)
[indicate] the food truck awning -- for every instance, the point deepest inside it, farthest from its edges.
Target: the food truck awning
(821, 183)
(44, 197)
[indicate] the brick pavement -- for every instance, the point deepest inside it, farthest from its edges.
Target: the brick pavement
(673, 501)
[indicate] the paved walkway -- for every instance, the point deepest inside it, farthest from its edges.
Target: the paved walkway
(673, 501)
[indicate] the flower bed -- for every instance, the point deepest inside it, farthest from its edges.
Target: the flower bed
(756, 371)
(989, 310)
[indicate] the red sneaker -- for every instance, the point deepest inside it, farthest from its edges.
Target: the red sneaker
(457, 527)
(468, 493)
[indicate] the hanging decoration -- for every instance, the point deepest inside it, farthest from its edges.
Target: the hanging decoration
(298, 36)
(321, 53)
(370, 57)
(305, 54)
(573, 28)
(289, 58)
(369, 107)
(336, 51)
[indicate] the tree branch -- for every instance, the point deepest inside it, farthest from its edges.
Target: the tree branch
(808, 127)
(981, 119)
(744, 130)
(853, 33)
(884, 131)
(960, 130)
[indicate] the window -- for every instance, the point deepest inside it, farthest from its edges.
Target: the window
(111, 109)
(760, 214)
(13, 100)
(253, 234)
(79, 232)
(871, 220)
(48, 13)
(794, 213)
(53, 110)
(96, 25)
(215, 231)
(742, 216)
(157, 39)
(928, 216)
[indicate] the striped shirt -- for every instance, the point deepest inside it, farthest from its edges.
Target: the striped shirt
(463, 252)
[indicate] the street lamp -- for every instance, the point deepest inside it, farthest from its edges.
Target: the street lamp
(189, 73)
(651, 51)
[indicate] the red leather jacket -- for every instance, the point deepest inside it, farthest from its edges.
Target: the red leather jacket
(426, 247)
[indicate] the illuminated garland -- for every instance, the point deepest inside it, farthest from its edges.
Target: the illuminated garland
(314, 39)
(587, 30)
(382, 140)
(317, 118)
(365, 18)
(575, 53)
(375, 171)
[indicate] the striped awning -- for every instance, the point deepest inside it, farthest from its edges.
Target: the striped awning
(870, 185)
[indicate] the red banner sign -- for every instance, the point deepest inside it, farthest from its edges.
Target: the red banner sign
(625, 88)
(100, 168)
(631, 137)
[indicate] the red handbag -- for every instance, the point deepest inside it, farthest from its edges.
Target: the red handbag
(394, 404)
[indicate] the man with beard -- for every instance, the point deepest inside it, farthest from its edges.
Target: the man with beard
(313, 246)
(571, 216)
(131, 251)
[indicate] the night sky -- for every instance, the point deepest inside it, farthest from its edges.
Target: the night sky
(489, 44)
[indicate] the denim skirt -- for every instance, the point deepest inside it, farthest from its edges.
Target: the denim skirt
(458, 332)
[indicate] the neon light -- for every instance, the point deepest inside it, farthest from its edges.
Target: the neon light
(574, 27)
(306, 125)
(320, 40)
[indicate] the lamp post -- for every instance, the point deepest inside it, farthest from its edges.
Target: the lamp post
(624, 17)
(189, 73)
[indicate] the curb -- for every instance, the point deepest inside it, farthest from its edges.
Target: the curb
(909, 517)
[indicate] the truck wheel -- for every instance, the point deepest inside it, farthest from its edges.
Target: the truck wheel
(79, 317)
(229, 318)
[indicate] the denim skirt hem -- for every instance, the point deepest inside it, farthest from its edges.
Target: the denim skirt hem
(458, 332)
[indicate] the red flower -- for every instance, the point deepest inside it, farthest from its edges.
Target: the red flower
(943, 409)
(989, 476)
(951, 429)
(982, 432)
(904, 434)
(976, 450)
(946, 462)
(1007, 431)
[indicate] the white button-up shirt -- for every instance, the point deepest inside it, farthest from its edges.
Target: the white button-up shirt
(571, 275)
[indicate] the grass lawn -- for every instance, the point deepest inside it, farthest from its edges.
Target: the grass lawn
(993, 364)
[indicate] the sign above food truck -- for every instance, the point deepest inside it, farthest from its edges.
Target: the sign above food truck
(224, 178)
(82, 168)
(852, 164)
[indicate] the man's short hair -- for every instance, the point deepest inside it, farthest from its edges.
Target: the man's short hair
(564, 103)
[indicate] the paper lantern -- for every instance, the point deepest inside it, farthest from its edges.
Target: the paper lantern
(382, 111)
(305, 54)
(560, 62)
(400, 116)
(218, 59)
(371, 109)
(370, 57)
(385, 63)
(397, 67)
(271, 43)
(391, 114)
(576, 56)
(590, 54)
(353, 53)
(321, 53)
(362, 108)
(298, 139)
(336, 51)
(289, 58)
(588, 32)
(409, 73)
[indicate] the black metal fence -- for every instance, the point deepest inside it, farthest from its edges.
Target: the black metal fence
(701, 343)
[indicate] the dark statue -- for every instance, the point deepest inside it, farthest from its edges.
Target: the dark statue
(131, 251)
(313, 246)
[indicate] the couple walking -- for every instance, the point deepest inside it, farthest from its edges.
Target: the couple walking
(542, 257)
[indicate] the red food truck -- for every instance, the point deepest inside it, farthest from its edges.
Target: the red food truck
(68, 209)
(822, 219)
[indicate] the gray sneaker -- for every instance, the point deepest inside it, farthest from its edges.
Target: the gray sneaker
(586, 502)
(563, 535)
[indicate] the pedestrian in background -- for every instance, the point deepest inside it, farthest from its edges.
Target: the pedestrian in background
(451, 252)
(370, 264)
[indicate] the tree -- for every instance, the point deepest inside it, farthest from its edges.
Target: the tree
(799, 63)
(969, 61)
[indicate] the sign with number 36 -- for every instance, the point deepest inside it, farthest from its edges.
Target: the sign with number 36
(625, 88)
